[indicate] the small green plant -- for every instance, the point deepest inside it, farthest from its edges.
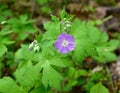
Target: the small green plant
(54, 61)
(21, 27)
(15, 28)
(45, 6)
(5, 13)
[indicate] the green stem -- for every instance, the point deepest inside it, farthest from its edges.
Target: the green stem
(108, 18)
(110, 79)
(60, 28)
(33, 8)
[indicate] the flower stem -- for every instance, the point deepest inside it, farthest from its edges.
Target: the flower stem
(110, 79)
(60, 28)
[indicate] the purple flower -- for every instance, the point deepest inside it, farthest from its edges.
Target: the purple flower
(65, 43)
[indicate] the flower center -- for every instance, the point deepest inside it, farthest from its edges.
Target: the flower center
(65, 43)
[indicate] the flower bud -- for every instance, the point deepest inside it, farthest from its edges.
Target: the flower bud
(31, 46)
(36, 48)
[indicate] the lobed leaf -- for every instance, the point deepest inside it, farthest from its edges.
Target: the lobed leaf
(99, 88)
(8, 85)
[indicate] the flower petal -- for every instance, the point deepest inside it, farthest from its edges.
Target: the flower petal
(63, 36)
(64, 50)
(70, 39)
(58, 44)
(71, 48)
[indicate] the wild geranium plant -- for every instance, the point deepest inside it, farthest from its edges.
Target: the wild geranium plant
(53, 63)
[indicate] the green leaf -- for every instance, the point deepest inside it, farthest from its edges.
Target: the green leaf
(7, 41)
(78, 29)
(97, 76)
(22, 26)
(113, 44)
(39, 89)
(47, 52)
(84, 40)
(99, 88)
(105, 50)
(5, 12)
(65, 15)
(92, 30)
(105, 54)
(47, 43)
(4, 40)
(83, 49)
(8, 85)
(90, 41)
(110, 56)
(70, 84)
(25, 54)
(89, 85)
(53, 30)
(3, 49)
(82, 72)
(50, 76)
(5, 31)
(104, 38)
(60, 62)
(81, 81)
(27, 76)
(54, 18)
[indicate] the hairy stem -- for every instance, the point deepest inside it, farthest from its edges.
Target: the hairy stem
(110, 79)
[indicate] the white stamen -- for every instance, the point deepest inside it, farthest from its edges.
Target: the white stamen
(65, 43)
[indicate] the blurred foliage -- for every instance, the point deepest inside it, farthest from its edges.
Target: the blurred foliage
(107, 2)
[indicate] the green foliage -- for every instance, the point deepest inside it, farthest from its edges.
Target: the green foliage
(47, 70)
(53, 30)
(97, 76)
(26, 55)
(41, 89)
(45, 64)
(18, 28)
(75, 77)
(105, 51)
(93, 78)
(4, 40)
(89, 85)
(27, 76)
(45, 6)
(21, 26)
(65, 15)
(5, 12)
(8, 85)
(99, 88)
(53, 79)
(90, 41)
